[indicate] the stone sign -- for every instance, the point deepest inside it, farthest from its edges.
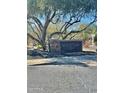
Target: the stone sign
(54, 46)
(65, 46)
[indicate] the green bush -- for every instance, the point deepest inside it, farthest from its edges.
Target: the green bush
(95, 39)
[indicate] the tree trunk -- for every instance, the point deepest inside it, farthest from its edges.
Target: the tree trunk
(43, 38)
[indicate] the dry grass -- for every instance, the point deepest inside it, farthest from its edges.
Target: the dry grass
(37, 61)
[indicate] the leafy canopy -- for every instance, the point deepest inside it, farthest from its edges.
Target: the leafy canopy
(42, 7)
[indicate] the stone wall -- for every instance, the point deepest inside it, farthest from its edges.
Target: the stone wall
(65, 46)
(54, 46)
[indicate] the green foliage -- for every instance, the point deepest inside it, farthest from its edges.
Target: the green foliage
(61, 6)
(38, 46)
(90, 30)
(85, 36)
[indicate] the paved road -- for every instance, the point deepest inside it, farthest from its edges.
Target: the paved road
(61, 79)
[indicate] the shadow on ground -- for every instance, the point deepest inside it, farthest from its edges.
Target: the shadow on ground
(35, 54)
(77, 59)
(56, 63)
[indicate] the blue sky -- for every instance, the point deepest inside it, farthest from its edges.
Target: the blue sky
(85, 20)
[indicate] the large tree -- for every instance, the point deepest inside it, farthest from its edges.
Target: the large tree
(41, 13)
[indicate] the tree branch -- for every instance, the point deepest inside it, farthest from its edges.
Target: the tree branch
(34, 30)
(33, 38)
(55, 21)
(72, 36)
(35, 26)
(80, 30)
(53, 15)
(75, 32)
(40, 25)
(70, 22)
